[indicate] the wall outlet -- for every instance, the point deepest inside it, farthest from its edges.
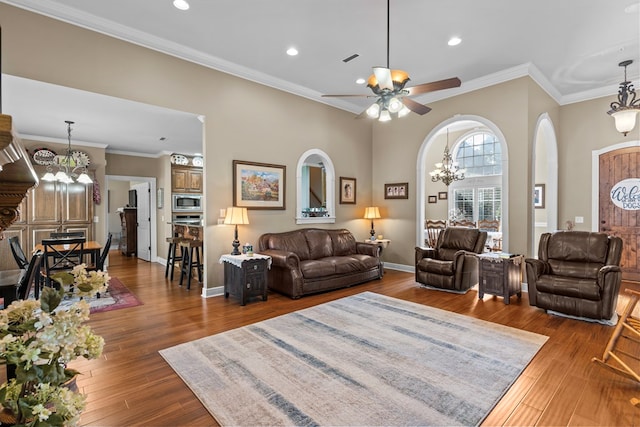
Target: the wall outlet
(96, 219)
(579, 219)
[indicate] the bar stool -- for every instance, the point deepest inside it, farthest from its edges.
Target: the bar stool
(188, 247)
(171, 256)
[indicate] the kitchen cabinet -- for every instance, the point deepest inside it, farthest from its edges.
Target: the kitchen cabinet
(186, 180)
(53, 207)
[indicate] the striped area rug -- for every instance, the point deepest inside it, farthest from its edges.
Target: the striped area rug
(366, 359)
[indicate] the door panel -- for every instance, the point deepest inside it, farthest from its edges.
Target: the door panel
(616, 166)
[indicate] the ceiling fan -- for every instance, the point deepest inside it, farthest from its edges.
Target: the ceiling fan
(393, 98)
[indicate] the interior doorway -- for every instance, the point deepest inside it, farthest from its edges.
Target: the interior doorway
(114, 186)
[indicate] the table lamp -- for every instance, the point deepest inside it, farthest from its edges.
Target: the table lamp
(236, 216)
(372, 212)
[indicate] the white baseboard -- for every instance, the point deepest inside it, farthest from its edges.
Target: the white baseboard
(212, 292)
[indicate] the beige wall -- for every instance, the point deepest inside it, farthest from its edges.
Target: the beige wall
(243, 120)
(247, 121)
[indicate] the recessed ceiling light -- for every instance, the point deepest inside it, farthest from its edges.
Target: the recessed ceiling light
(181, 4)
(360, 81)
(292, 51)
(454, 41)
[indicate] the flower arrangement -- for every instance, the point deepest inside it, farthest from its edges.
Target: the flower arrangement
(38, 339)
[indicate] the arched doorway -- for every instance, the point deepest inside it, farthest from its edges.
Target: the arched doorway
(545, 175)
(425, 187)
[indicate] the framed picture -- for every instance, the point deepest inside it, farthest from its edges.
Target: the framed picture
(433, 199)
(258, 185)
(538, 196)
(347, 190)
(442, 195)
(396, 191)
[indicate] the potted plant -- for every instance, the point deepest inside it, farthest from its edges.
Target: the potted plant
(37, 341)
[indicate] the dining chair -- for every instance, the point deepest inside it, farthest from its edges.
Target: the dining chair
(18, 253)
(463, 223)
(66, 234)
(61, 254)
(99, 265)
(489, 225)
(433, 227)
(29, 278)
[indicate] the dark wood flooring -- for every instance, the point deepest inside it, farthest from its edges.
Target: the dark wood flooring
(132, 385)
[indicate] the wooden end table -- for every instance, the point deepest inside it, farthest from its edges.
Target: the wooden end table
(500, 274)
(246, 276)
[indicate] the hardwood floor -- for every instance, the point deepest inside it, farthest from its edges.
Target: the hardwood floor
(132, 385)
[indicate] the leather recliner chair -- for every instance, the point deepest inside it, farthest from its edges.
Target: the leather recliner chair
(577, 273)
(452, 264)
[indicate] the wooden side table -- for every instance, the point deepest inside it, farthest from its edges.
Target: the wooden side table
(246, 276)
(500, 274)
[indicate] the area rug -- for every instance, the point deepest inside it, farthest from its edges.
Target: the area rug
(366, 359)
(118, 296)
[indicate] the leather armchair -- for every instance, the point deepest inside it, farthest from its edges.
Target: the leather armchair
(452, 264)
(576, 273)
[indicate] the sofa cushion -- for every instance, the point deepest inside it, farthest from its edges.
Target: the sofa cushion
(568, 246)
(343, 242)
(569, 287)
(344, 264)
(319, 243)
(459, 238)
(366, 261)
(290, 242)
(581, 270)
(436, 266)
(315, 268)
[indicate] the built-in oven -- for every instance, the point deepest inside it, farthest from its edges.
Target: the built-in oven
(187, 202)
(187, 219)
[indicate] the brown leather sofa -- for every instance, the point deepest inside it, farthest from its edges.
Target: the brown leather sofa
(452, 265)
(576, 273)
(311, 260)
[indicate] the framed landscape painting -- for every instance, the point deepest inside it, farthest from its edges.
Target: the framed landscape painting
(258, 185)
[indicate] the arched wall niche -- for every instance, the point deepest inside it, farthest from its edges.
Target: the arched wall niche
(315, 158)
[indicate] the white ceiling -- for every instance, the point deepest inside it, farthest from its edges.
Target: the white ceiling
(570, 47)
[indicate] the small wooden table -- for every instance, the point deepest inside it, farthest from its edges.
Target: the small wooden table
(246, 276)
(500, 274)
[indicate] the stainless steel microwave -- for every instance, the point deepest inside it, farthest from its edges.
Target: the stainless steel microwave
(187, 202)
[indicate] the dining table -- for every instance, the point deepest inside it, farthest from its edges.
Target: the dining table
(9, 280)
(91, 247)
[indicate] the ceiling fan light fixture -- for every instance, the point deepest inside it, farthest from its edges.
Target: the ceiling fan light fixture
(385, 116)
(395, 105)
(374, 111)
(404, 111)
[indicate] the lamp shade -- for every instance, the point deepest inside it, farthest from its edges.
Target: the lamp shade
(625, 119)
(236, 216)
(372, 212)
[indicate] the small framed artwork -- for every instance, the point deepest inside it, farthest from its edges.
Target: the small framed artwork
(538, 196)
(442, 195)
(347, 190)
(433, 199)
(396, 191)
(258, 185)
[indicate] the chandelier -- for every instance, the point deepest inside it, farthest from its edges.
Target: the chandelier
(447, 171)
(625, 109)
(69, 166)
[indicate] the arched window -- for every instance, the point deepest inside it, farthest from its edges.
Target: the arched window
(479, 195)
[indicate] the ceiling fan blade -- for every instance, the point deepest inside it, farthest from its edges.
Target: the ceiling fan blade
(383, 76)
(433, 86)
(415, 106)
(344, 96)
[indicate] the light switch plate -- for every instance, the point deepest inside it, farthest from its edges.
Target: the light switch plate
(579, 219)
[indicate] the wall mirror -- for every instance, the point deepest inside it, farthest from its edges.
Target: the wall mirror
(315, 188)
